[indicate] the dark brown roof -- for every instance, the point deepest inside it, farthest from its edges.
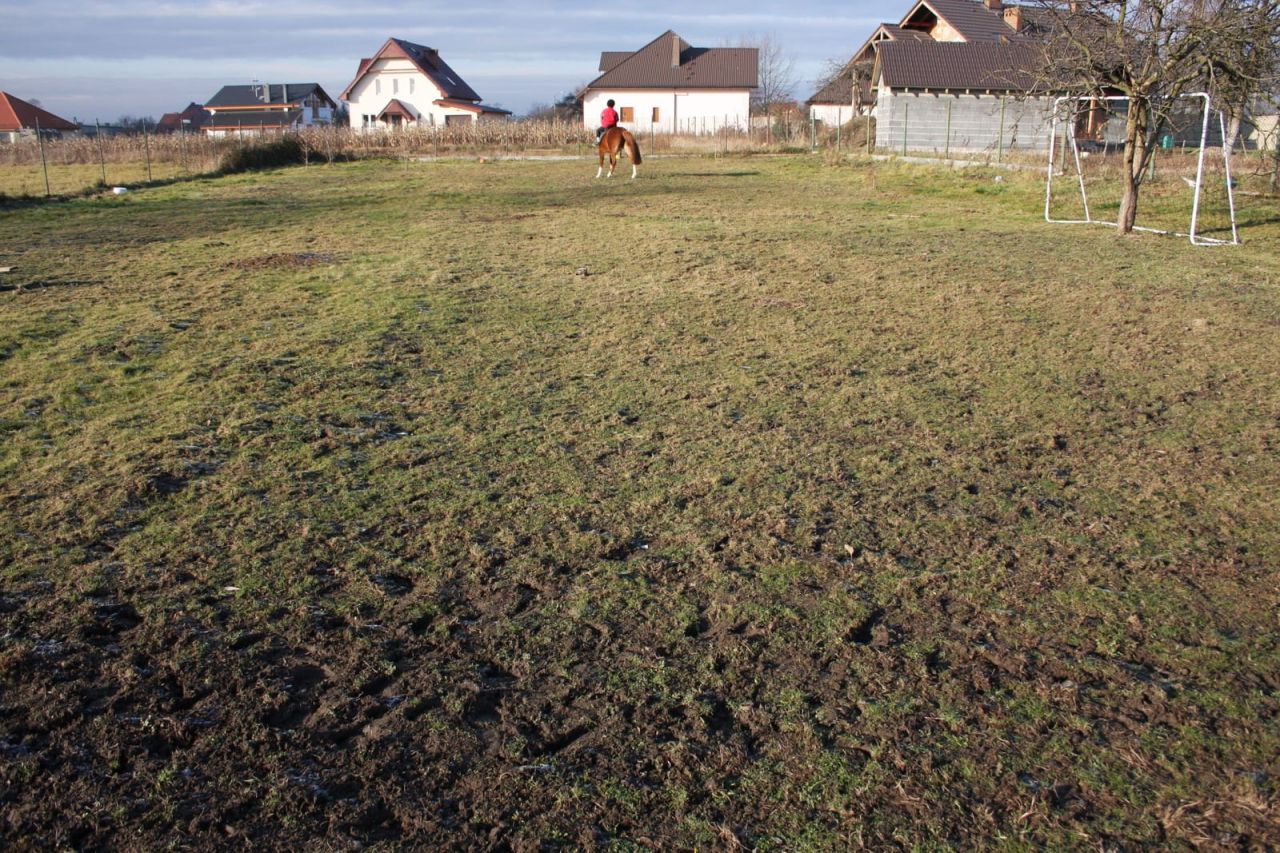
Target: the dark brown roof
(258, 95)
(427, 60)
(670, 62)
(958, 65)
(974, 21)
(16, 114)
(838, 90)
(610, 59)
(896, 32)
(253, 119)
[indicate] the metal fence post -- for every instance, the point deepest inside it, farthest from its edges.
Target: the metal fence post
(146, 148)
(946, 145)
(839, 125)
(44, 164)
(1000, 141)
(906, 111)
(102, 155)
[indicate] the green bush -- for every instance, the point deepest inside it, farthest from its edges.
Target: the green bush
(266, 154)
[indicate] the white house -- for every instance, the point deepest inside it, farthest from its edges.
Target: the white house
(267, 108)
(668, 86)
(407, 85)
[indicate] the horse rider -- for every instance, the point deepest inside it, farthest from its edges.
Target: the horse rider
(608, 119)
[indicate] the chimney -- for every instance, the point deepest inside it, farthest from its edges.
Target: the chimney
(675, 51)
(993, 5)
(1013, 17)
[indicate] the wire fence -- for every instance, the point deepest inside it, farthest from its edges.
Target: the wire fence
(40, 166)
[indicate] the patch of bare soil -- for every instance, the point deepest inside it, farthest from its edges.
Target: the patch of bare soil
(485, 723)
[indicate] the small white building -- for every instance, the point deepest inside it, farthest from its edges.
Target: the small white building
(409, 85)
(267, 108)
(667, 86)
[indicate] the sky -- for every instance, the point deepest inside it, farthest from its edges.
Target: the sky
(93, 59)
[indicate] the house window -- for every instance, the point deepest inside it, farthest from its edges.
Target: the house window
(377, 87)
(657, 115)
(395, 86)
(628, 114)
(410, 85)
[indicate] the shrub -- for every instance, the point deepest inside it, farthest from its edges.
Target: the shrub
(265, 154)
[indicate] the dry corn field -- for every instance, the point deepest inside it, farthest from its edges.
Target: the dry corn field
(79, 164)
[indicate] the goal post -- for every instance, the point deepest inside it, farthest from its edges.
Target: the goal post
(1193, 229)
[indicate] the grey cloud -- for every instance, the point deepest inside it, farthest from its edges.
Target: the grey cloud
(146, 57)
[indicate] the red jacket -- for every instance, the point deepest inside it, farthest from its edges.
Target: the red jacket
(609, 118)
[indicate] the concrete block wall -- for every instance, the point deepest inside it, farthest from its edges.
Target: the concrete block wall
(975, 124)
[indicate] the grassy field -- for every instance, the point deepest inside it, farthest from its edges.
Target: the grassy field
(774, 502)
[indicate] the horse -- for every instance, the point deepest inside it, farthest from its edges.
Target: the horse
(612, 141)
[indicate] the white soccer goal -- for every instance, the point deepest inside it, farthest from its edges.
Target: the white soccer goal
(1193, 231)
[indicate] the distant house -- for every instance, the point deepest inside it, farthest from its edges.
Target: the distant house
(268, 108)
(949, 75)
(834, 103)
(668, 86)
(20, 119)
(410, 85)
(190, 120)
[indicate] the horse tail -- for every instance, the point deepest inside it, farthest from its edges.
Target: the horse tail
(635, 150)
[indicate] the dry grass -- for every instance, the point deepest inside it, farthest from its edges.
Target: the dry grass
(758, 502)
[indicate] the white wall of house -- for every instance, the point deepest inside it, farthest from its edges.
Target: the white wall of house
(832, 114)
(316, 111)
(672, 111)
(399, 79)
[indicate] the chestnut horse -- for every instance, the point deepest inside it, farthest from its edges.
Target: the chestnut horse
(612, 143)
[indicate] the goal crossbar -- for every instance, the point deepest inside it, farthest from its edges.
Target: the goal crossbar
(1193, 231)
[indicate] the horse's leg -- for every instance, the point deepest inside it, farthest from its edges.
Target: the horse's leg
(600, 171)
(631, 152)
(613, 162)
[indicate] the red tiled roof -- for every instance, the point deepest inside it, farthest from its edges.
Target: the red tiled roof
(16, 114)
(982, 66)
(195, 115)
(670, 62)
(396, 107)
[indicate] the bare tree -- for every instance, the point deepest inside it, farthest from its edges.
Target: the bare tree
(1152, 51)
(567, 108)
(1247, 68)
(776, 76)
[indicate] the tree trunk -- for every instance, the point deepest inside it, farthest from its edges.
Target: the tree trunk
(1135, 140)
